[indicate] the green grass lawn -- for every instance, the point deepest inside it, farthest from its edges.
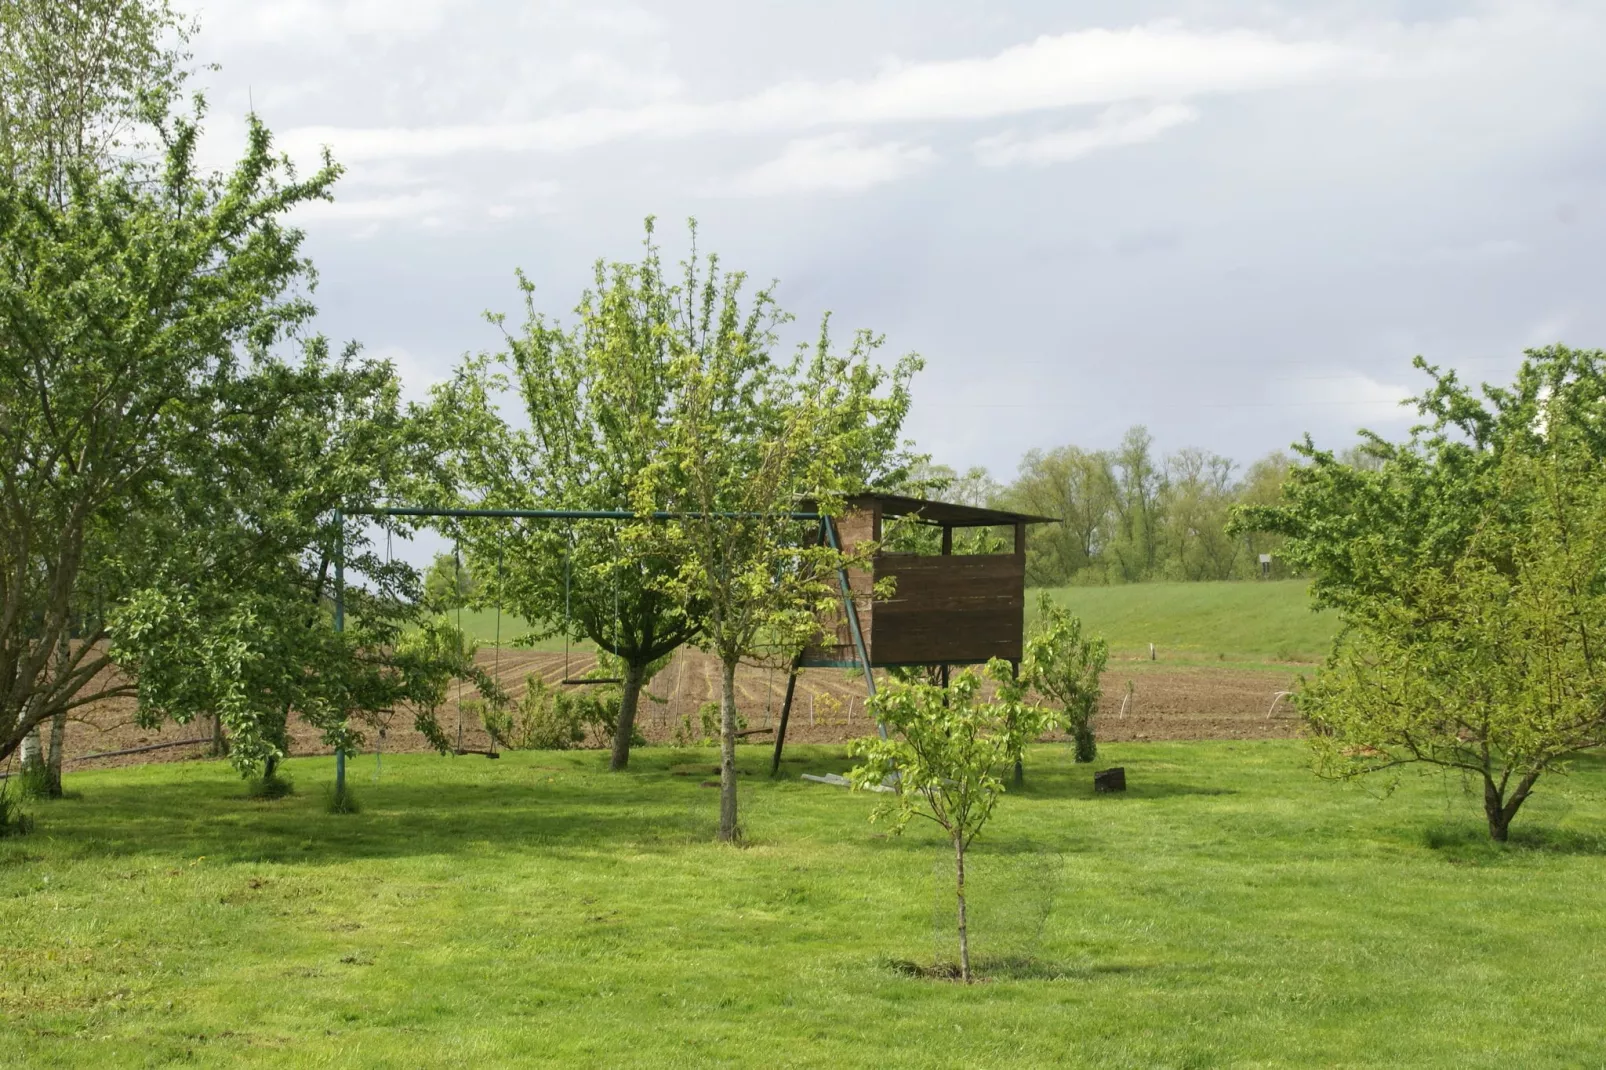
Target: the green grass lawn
(1250, 620)
(481, 626)
(1229, 910)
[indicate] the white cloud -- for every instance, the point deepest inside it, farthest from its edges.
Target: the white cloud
(1083, 67)
(301, 21)
(1356, 397)
(835, 163)
(427, 208)
(1114, 127)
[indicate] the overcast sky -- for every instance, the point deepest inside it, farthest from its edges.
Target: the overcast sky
(1233, 222)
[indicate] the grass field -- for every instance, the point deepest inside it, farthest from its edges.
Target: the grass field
(1246, 621)
(1229, 910)
(481, 626)
(1265, 621)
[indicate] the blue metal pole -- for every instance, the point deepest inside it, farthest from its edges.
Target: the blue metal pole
(340, 626)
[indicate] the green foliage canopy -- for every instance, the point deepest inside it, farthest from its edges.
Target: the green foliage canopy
(1468, 566)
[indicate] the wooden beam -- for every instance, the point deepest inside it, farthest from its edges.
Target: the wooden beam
(786, 713)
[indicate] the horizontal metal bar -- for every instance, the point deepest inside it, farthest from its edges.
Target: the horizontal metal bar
(568, 514)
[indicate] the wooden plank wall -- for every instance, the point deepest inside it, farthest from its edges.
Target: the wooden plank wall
(854, 529)
(961, 608)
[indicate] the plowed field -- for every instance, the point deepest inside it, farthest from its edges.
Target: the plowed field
(1195, 703)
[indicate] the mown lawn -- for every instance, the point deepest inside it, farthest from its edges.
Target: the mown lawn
(1229, 910)
(1254, 620)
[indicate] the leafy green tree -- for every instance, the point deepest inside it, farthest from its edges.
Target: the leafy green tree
(76, 80)
(597, 398)
(1139, 488)
(1198, 495)
(1064, 665)
(448, 583)
(171, 485)
(129, 317)
(1263, 486)
(1076, 486)
(747, 441)
(943, 756)
(1466, 568)
(80, 81)
(229, 610)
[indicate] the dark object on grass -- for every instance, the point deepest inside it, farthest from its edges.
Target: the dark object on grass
(487, 753)
(1110, 779)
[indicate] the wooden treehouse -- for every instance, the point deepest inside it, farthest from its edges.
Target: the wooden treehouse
(946, 608)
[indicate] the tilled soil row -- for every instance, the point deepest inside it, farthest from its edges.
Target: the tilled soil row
(1177, 704)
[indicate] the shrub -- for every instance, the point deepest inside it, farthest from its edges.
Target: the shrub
(546, 718)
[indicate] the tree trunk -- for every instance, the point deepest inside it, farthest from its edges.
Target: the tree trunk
(729, 831)
(220, 746)
(58, 739)
(32, 749)
(1500, 810)
(964, 930)
(629, 699)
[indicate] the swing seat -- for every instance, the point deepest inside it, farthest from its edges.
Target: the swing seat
(593, 680)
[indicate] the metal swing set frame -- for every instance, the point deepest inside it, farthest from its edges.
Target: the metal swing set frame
(828, 535)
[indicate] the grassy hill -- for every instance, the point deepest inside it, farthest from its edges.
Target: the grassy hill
(1269, 621)
(1230, 909)
(1248, 621)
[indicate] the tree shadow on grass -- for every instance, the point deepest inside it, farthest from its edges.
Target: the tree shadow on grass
(1011, 968)
(214, 817)
(1468, 843)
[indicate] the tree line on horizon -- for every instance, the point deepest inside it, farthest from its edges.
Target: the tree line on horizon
(1131, 514)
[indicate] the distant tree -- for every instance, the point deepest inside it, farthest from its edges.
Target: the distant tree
(1466, 568)
(1139, 485)
(1077, 487)
(944, 754)
(1063, 665)
(1198, 494)
(448, 582)
(747, 441)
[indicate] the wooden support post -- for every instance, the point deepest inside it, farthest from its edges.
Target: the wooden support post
(947, 539)
(786, 713)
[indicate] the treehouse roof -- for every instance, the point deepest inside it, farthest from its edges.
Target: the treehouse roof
(946, 514)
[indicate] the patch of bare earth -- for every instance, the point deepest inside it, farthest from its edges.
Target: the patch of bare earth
(1193, 703)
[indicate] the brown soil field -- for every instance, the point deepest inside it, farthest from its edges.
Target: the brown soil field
(1194, 703)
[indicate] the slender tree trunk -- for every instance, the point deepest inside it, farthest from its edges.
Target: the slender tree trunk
(32, 749)
(58, 738)
(1499, 809)
(964, 930)
(729, 831)
(219, 744)
(629, 699)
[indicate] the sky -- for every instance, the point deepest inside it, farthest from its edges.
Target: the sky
(1235, 223)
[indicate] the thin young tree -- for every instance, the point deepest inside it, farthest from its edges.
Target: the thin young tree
(944, 754)
(1063, 664)
(748, 442)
